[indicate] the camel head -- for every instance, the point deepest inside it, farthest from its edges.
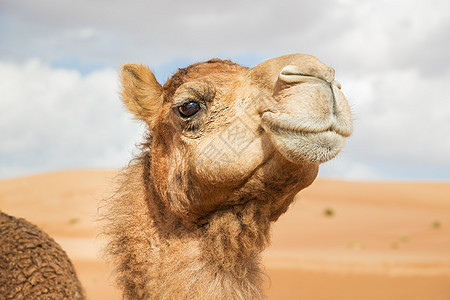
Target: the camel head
(222, 134)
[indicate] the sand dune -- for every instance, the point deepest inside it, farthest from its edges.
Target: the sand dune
(339, 240)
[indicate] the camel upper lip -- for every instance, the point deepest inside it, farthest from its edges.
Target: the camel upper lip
(283, 122)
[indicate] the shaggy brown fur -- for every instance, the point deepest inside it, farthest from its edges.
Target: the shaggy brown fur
(184, 225)
(33, 265)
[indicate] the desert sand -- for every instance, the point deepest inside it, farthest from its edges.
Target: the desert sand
(339, 240)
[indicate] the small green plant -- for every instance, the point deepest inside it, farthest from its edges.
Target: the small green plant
(404, 238)
(356, 245)
(329, 212)
(436, 224)
(394, 245)
(74, 221)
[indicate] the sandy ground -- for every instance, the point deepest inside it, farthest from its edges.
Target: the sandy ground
(340, 240)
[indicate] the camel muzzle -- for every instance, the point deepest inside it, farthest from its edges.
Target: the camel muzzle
(308, 117)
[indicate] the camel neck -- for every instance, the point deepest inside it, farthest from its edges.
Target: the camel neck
(220, 260)
(155, 252)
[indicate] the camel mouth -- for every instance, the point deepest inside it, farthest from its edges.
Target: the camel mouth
(302, 141)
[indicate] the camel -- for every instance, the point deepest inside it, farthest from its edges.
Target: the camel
(226, 150)
(33, 265)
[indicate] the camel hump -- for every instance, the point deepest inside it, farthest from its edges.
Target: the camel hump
(33, 265)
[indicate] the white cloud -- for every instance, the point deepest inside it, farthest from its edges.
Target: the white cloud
(401, 120)
(407, 120)
(56, 118)
(352, 35)
(343, 167)
(156, 32)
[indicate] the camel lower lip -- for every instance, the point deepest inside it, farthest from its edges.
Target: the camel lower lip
(306, 147)
(280, 130)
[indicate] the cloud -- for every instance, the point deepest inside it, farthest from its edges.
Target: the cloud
(401, 120)
(406, 118)
(56, 118)
(156, 32)
(351, 35)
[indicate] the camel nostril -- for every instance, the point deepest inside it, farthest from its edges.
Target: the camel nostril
(299, 74)
(302, 73)
(291, 70)
(337, 84)
(292, 74)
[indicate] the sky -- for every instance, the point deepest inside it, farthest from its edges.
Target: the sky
(59, 62)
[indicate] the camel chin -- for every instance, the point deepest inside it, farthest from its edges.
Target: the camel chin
(307, 147)
(305, 140)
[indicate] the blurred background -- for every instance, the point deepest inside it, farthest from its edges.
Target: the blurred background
(59, 61)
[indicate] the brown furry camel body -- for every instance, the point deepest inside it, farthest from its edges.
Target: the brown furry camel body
(33, 265)
(227, 150)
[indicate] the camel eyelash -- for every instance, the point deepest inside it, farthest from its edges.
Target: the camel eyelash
(206, 93)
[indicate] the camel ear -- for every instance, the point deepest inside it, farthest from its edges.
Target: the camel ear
(141, 92)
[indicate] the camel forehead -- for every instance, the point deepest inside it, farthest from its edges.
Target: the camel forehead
(215, 71)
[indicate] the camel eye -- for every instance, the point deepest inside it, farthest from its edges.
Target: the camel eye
(188, 109)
